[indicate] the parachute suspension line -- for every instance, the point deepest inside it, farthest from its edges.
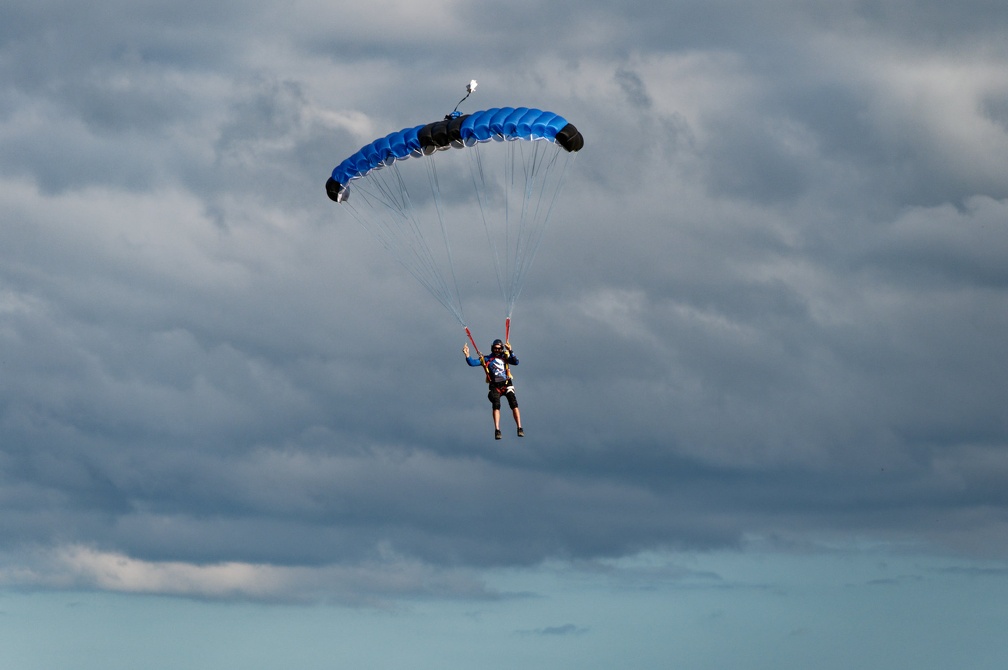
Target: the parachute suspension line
(539, 192)
(512, 259)
(435, 185)
(549, 187)
(398, 224)
(525, 226)
(529, 189)
(482, 194)
(388, 215)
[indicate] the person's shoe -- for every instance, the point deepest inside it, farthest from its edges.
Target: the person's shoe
(521, 433)
(497, 434)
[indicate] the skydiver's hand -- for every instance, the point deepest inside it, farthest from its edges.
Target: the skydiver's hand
(465, 350)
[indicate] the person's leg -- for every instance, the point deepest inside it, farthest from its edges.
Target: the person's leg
(494, 397)
(513, 403)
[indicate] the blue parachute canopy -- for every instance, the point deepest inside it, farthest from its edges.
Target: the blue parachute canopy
(511, 186)
(457, 130)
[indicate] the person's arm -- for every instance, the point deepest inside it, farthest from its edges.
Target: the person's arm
(473, 362)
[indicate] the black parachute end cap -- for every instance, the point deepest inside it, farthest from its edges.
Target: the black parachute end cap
(570, 138)
(332, 189)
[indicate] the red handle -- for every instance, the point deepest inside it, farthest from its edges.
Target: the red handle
(473, 342)
(482, 360)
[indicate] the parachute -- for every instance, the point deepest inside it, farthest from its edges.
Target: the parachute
(410, 189)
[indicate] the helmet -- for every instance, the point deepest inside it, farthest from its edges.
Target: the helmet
(497, 343)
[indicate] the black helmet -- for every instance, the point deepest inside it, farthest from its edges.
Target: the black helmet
(497, 343)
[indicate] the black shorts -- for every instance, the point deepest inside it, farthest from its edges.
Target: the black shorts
(506, 390)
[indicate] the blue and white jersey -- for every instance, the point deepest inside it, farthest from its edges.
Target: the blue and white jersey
(498, 369)
(497, 366)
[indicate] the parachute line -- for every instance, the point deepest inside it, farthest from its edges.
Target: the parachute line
(543, 193)
(528, 198)
(436, 190)
(389, 216)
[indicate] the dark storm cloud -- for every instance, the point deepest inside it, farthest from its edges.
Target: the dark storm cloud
(773, 301)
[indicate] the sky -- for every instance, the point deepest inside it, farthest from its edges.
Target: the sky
(762, 354)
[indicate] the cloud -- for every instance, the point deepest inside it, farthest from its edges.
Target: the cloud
(556, 631)
(772, 299)
(379, 584)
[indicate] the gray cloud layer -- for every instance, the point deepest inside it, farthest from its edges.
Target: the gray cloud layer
(773, 304)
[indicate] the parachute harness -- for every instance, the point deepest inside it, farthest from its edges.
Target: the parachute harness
(508, 382)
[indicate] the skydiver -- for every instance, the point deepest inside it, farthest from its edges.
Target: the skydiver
(497, 366)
